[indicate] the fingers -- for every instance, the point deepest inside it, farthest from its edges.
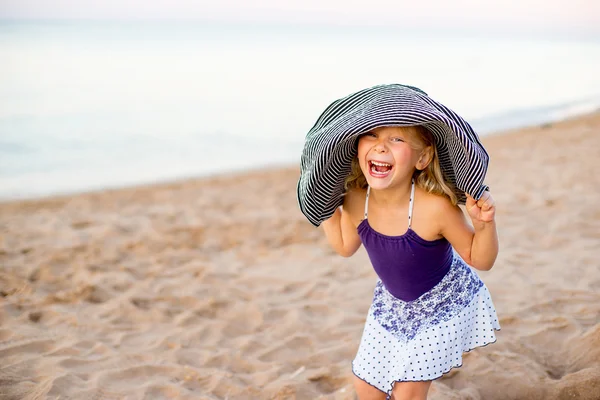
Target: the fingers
(470, 201)
(486, 202)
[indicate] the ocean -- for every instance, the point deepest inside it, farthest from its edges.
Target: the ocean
(93, 105)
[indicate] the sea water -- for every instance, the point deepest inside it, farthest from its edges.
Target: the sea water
(91, 105)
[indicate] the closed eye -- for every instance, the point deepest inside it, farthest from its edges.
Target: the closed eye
(396, 139)
(370, 134)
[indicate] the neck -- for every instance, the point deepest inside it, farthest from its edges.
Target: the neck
(392, 196)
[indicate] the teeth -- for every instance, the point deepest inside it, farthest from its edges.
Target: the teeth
(379, 164)
(374, 170)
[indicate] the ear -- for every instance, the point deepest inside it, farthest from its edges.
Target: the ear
(425, 158)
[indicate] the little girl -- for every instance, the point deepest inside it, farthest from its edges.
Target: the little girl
(428, 306)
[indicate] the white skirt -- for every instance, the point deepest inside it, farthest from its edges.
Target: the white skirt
(423, 339)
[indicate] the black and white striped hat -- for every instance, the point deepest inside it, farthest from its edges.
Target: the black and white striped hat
(330, 145)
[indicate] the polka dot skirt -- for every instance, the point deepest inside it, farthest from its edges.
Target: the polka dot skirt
(382, 359)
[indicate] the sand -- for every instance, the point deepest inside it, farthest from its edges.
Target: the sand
(220, 289)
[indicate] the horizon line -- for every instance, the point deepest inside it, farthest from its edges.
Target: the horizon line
(522, 32)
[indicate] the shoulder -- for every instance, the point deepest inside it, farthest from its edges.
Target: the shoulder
(354, 203)
(435, 201)
(438, 206)
(355, 198)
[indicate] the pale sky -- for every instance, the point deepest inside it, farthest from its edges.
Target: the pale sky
(551, 16)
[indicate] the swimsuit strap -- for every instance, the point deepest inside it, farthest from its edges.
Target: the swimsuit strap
(367, 201)
(410, 203)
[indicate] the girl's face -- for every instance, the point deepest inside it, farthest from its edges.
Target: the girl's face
(389, 155)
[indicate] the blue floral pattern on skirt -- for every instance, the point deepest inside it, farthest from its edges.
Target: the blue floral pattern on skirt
(405, 319)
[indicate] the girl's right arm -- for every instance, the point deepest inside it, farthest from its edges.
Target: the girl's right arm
(340, 229)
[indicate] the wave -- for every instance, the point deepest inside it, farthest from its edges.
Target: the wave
(522, 118)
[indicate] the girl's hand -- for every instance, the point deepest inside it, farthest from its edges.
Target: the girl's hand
(482, 210)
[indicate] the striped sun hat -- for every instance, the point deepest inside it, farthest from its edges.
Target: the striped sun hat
(330, 145)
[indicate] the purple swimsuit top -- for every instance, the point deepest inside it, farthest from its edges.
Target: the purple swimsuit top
(407, 265)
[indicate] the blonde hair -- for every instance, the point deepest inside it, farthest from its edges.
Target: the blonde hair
(431, 179)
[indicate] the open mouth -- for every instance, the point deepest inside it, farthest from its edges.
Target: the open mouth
(379, 169)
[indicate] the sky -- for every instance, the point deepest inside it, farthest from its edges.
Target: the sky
(549, 16)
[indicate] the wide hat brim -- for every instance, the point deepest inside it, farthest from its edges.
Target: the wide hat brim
(330, 145)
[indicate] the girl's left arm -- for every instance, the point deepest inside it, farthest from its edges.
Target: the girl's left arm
(476, 244)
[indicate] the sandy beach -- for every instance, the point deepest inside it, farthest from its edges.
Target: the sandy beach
(219, 288)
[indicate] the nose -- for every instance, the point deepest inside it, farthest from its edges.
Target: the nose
(379, 147)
